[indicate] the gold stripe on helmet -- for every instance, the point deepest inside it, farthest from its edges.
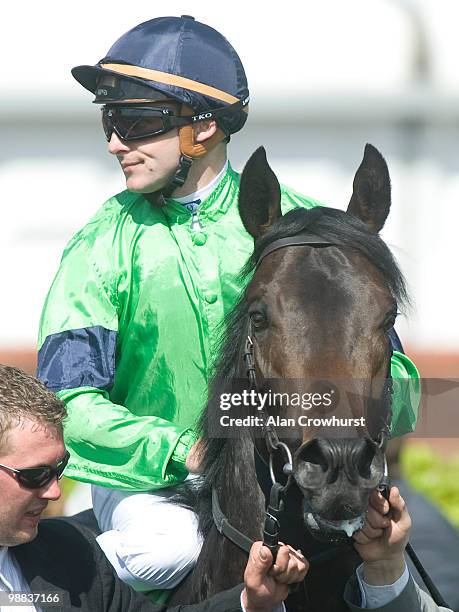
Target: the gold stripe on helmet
(170, 79)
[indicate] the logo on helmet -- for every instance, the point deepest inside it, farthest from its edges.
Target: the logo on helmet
(202, 116)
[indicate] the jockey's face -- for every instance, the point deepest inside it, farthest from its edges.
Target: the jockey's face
(27, 445)
(148, 164)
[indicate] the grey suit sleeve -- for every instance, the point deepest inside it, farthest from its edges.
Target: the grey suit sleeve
(411, 599)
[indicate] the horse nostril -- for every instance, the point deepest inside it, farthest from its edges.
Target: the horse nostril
(364, 458)
(325, 461)
(313, 452)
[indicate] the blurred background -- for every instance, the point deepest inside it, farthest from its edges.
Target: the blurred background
(325, 78)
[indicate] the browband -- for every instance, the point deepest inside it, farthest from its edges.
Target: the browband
(299, 240)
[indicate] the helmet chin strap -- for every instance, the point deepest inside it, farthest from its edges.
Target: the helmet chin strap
(190, 150)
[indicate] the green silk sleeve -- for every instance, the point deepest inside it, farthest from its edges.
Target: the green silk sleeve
(80, 296)
(406, 395)
(112, 447)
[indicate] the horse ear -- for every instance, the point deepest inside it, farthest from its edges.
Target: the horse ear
(259, 195)
(371, 199)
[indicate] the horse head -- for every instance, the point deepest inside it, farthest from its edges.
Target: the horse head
(323, 296)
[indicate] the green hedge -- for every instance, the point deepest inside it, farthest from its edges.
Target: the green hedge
(434, 476)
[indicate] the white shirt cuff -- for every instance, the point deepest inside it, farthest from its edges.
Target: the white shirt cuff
(378, 596)
(279, 608)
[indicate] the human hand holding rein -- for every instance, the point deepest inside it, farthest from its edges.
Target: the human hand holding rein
(382, 540)
(266, 585)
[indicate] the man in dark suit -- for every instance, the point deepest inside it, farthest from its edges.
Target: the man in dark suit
(54, 563)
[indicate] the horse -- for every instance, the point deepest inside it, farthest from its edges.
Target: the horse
(322, 294)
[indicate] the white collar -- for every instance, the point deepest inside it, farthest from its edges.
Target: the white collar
(204, 192)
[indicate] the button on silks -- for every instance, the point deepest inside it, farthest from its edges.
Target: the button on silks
(199, 238)
(210, 297)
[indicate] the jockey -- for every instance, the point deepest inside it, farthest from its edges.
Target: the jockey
(127, 330)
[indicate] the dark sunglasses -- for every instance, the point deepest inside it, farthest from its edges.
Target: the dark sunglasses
(37, 477)
(137, 122)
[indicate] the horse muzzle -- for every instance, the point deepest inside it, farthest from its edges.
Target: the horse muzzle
(336, 477)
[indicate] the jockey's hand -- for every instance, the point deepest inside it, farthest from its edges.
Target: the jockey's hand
(266, 585)
(194, 458)
(382, 540)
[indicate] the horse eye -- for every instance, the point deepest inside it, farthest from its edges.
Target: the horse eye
(258, 320)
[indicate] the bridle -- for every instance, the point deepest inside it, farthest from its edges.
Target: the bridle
(274, 445)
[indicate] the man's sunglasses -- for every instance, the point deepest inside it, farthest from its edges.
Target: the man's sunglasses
(137, 122)
(37, 477)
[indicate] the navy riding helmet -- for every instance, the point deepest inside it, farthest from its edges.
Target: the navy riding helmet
(173, 57)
